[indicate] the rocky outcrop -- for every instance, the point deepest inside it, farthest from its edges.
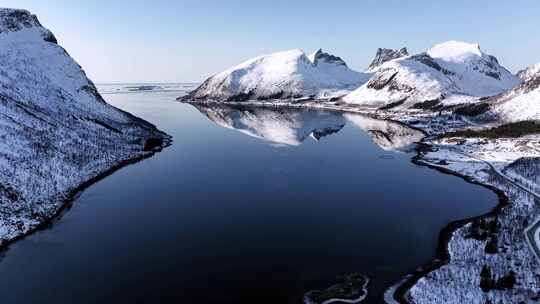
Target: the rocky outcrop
(320, 57)
(385, 55)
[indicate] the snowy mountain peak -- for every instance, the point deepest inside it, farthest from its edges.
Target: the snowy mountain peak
(281, 75)
(455, 51)
(24, 23)
(448, 73)
(385, 55)
(320, 56)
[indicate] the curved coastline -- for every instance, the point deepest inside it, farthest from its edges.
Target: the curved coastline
(442, 256)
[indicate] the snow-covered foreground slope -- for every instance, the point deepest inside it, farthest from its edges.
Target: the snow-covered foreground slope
(448, 73)
(518, 104)
(282, 75)
(57, 132)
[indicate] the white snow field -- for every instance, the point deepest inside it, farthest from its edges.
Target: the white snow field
(57, 133)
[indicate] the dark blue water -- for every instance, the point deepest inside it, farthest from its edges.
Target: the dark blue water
(225, 217)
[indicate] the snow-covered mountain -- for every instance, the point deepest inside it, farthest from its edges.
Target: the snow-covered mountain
(57, 133)
(283, 126)
(282, 75)
(385, 55)
(448, 73)
(518, 104)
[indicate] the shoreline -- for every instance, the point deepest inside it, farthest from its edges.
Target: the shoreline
(442, 256)
(72, 195)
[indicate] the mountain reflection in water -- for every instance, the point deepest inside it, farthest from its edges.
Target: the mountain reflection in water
(292, 127)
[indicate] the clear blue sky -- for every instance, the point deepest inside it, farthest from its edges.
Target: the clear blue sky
(188, 40)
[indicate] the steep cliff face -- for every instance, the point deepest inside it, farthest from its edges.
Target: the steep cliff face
(283, 75)
(57, 131)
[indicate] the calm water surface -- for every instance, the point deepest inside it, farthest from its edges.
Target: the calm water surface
(245, 207)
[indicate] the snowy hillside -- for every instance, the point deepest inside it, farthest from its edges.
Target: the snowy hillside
(57, 132)
(287, 127)
(448, 73)
(282, 75)
(519, 104)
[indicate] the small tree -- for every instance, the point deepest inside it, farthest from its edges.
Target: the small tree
(486, 279)
(492, 245)
(507, 282)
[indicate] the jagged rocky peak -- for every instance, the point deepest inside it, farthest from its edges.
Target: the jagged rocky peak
(320, 56)
(384, 55)
(18, 20)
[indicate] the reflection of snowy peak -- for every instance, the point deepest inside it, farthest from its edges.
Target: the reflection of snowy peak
(447, 73)
(518, 104)
(57, 131)
(387, 134)
(293, 126)
(281, 126)
(385, 55)
(282, 75)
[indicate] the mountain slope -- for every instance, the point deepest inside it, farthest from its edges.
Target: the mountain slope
(518, 104)
(448, 73)
(282, 75)
(57, 131)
